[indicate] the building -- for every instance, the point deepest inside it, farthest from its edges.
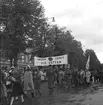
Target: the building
(23, 60)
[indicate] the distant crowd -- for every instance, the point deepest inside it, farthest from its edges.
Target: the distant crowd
(16, 82)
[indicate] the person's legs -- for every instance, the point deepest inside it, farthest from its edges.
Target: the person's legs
(50, 91)
(39, 91)
(33, 93)
(32, 90)
(25, 94)
(22, 98)
(12, 100)
(16, 98)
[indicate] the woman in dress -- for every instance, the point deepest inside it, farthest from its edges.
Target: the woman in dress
(17, 89)
(28, 82)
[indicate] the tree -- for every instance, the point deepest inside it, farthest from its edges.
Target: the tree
(23, 22)
(62, 42)
(101, 67)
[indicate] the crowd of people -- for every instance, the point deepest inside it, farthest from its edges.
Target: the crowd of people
(15, 82)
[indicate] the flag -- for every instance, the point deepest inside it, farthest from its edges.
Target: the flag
(88, 61)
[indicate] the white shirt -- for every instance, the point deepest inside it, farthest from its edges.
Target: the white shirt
(42, 75)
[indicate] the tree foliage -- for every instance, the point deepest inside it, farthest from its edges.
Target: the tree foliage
(27, 27)
(59, 41)
(23, 21)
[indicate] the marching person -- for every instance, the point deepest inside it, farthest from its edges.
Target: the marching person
(3, 90)
(45, 75)
(17, 89)
(42, 74)
(61, 77)
(28, 82)
(37, 81)
(88, 75)
(68, 78)
(51, 79)
(82, 77)
(56, 70)
(75, 77)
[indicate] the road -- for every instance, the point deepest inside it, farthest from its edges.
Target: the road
(92, 95)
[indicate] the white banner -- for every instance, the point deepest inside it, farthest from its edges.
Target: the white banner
(46, 61)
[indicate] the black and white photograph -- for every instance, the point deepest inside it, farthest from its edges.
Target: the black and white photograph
(51, 52)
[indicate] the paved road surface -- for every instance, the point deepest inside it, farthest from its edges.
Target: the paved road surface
(92, 95)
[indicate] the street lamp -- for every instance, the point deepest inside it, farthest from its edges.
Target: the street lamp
(53, 19)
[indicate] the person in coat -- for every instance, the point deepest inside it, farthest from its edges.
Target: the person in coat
(17, 88)
(28, 82)
(51, 79)
(75, 77)
(68, 78)
(37, 81)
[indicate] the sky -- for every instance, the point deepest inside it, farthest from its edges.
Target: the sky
(83, 17)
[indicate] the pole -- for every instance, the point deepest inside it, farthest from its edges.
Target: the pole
(55, 39)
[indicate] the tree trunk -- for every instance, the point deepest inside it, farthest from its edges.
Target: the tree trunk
(11, 62)
(15, 61)
(15, 57)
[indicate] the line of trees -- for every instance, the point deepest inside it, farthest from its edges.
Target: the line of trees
(27, 27)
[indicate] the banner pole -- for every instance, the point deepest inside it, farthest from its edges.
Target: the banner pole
(34, 60)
